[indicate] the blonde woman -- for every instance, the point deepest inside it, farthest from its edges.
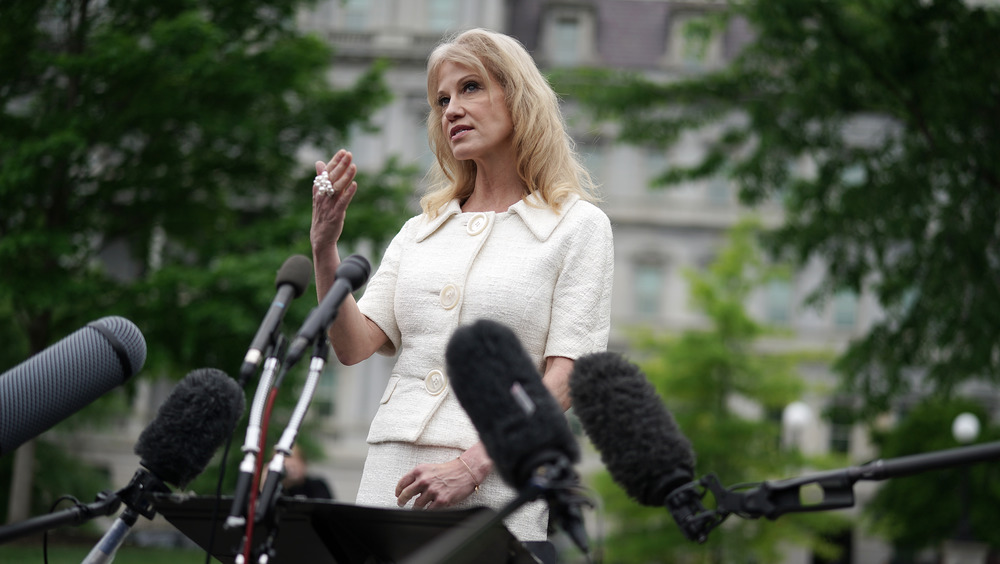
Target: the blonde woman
(508, 232)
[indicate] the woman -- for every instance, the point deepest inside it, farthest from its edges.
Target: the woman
(508, 232)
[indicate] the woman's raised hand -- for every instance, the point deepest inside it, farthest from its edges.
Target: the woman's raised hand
(333, 189)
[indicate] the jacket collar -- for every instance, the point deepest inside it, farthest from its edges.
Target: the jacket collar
(539, 218)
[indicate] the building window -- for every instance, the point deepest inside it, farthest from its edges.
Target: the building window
(779, 301)
(841, 418)
(656, 163)
(566, 41)
(442, 14)
(649, 277)
(694, 41)
(355, 14)
(718, 190)
(845, 307)
(568, 34)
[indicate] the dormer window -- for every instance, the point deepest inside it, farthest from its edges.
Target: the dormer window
(568, 34)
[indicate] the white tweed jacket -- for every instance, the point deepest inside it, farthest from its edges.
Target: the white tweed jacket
(544, 274)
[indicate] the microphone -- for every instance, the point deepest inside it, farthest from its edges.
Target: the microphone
(639, 441)
(62, 379)
(518, 420)
(291, 281)
(194, 420)
(352, 274)
(646, 454)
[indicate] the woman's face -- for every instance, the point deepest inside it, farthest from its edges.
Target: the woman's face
(474, 117)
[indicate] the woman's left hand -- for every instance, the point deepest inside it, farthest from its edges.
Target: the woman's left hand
(435, 486)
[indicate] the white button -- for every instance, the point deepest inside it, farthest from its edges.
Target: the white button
(477, 223)
(435, 382)
(449, 296)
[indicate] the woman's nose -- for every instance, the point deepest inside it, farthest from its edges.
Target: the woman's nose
(453, 110)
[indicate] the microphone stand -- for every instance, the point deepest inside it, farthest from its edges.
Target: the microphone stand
(266, 503)
(106, 504)
(252, 442)
(137, 499)
(773, 499)
(555, 482)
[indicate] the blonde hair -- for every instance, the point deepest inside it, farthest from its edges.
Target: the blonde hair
(546, 161)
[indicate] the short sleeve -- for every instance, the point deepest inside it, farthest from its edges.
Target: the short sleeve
(581, 311)
(378, 301)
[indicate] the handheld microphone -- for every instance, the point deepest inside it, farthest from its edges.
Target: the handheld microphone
(291, 281)
(352, 274)
(178, 444)
(62, 379)
(518, 420)
(639, 441)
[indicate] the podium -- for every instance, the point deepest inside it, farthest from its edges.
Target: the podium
(327, 532)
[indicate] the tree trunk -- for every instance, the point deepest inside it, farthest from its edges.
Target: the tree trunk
(21, 482)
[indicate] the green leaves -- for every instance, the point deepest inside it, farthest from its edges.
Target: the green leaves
(702, 375)
(874, 123)
(911, 511)
(149, 169)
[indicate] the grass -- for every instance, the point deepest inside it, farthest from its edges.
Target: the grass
(74, 553)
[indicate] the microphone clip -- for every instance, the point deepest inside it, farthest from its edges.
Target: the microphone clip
(138, 494)
(558, 483)
(686, 507)
(767, 499)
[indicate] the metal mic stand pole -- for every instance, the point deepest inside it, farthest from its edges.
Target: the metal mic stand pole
(266, 510)
(252, 442)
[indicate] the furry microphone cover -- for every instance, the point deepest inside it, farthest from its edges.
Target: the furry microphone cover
(499, 387)
(639, 441)
(192, 423)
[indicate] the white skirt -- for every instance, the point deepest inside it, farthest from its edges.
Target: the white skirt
(388, 462)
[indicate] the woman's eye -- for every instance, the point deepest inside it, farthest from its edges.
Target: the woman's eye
(443, 101)
(471, 87)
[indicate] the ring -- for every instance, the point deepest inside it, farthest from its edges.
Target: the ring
(322, 183)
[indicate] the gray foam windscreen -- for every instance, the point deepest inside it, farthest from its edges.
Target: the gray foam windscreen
(62, 379)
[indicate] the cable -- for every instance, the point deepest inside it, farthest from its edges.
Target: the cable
(218, 500)
(45, 535)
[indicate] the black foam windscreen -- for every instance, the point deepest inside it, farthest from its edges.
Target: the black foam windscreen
(194, 420)
(640, 443)
(297, 271)
(518, 420)
(65, 377)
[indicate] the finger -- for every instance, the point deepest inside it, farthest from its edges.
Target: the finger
(340, 164)
(347, 179)
(341, 182)
(336, 159)
(404, 482)
(424, 501)
(405, 496)
(349, 193)
(320, 167)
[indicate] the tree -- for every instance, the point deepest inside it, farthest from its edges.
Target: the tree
(700, 373)
(876, 123)
(910, 511)
(148, 168)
